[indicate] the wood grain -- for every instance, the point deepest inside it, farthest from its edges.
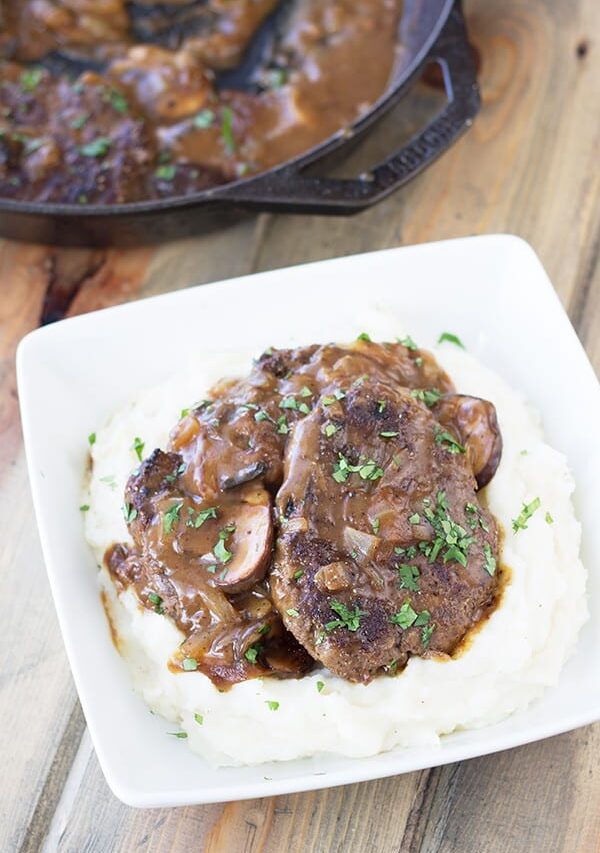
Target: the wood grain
(528, 166)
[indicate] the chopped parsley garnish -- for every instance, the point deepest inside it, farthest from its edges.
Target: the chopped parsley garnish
(220, 551)
(330, 429)
(381, 404)
(170, 478)
(166, 172)
(448, 442)
(204, 119)
(184, 413)
(367, 470)
(84, 508)
(138, 447)
(291, 611)
(450, 537)
(349, 619)
(415, 518)
(408, 343)
(375, 524)
(201, 516)
(171, 517)
(298, 574)
(80, 121)
(189, 664)
(282, 425)
(181, 735)
(409, 577)
(452, 339)
(30, 79)
(288, 403)
(117, 101)
(273, 706)
(97, 147)
(520, 523)
(251, 654)
(129, 513)
(263, 416)
(227, 129)
(430, 397)
(156, 602)
(363, 337)
(405, 617)
(410, 553)
(320, 685)
(305, 391)
(474, 517)
(426, 634)
(548, 518)
(92, 438)
(388, 434)
(338, 394)
(199, 719)
(490, 560)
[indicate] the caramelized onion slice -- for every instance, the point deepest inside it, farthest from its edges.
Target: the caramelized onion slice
(251, 546)
(365, 544)
(476, 423)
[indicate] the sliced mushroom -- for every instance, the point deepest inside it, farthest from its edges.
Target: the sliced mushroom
(476, 423)
(244, 475)
(251, 545)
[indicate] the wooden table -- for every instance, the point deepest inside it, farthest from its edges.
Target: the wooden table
(528, 166)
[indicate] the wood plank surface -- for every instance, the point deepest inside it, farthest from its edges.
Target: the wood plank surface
(528, 166)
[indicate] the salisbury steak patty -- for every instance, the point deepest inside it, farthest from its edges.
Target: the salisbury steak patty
(358, 465)
(384, 549)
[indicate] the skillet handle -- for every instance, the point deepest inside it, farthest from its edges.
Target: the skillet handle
(289, 190)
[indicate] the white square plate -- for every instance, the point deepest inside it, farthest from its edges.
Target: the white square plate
(492, 291)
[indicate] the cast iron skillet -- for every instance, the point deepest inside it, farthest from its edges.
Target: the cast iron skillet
(431, 31)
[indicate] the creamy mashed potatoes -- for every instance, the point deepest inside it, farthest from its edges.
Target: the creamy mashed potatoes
(509, 661)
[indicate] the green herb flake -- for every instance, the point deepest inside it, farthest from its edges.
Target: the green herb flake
(117, 101)
(189, 664)
(451, 339)
(129, 513)
(156, 602)
(429, 397)
(282, 426)
(520, 523)
(84, 508)
(219, 550)
(273, 706)
(409, 577)
(251, 654)
(548, 518)
(305, 391)
(450, 537)
(303, 408)
(166, 172)
(388, 434)
(408, 343)
(375, 524)
(204, 119)
(171, 517)
(92, 439)
(227, 129)
(30, 79)
(405, 617)
(201, 516)
(181, 735)
(381, 404)
(291, 611)
(97, 147)
(199, 719)
(298, 574)
(349, 619)
(448, 442)
(490, 561)
(183, 413)
(138, 447)
(426, 634)
(109, 480)
(364, 337)
(330, 429)
(320, 686)
(288, 403)
(80, 121)
(262, 416)
(415, 518)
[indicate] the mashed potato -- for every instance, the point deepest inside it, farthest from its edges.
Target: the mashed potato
(511, 659)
